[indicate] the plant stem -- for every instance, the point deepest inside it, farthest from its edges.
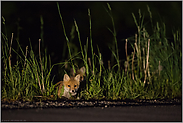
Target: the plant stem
(41, 64)
(147, 62)
(66, 37)
(132, 63)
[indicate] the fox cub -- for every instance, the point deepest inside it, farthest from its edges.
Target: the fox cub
(70, 85)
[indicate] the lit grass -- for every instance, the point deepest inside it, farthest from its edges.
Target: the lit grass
(151, 71)
(29, 77)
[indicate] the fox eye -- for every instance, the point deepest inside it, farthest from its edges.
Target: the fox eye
(74, 85)
(69, 86)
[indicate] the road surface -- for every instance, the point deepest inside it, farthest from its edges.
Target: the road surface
(123, 113)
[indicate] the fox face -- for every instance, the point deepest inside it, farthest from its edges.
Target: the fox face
(71, 85)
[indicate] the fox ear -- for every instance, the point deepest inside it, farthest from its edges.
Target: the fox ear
(72, 72)
(77, 78)
(66, 77)
(82, 70)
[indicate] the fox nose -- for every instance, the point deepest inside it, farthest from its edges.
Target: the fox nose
(72, 90)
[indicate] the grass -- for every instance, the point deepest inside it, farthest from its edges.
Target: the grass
(29, 77)
(151, 71)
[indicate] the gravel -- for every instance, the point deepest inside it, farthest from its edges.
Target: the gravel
(84, 103)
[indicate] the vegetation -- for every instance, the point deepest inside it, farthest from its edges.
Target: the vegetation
(151, 71)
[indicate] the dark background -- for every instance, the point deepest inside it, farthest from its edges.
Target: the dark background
(23, 19)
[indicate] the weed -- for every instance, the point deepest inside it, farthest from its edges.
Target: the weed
(151, 71)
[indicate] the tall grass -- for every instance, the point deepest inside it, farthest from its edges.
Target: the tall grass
(29, 75)
(151, 71)
(144, 75)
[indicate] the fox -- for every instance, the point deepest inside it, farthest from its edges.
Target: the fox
(70, 85)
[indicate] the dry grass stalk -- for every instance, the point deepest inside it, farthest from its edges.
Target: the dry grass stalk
(10, 50)
(89, 63)
(136, 49)
(144, 63)
(89, 60)
(149, 75)
(135, 38)
(41, 64)
(147, 62)
(126, 48)
(132, 63)
(126, 62)
(11, 44)
(109, 65)
(144, 34)
(126, 66)
(160, 68)
(39, 83)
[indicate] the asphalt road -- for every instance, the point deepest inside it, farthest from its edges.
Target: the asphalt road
(123, 113)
